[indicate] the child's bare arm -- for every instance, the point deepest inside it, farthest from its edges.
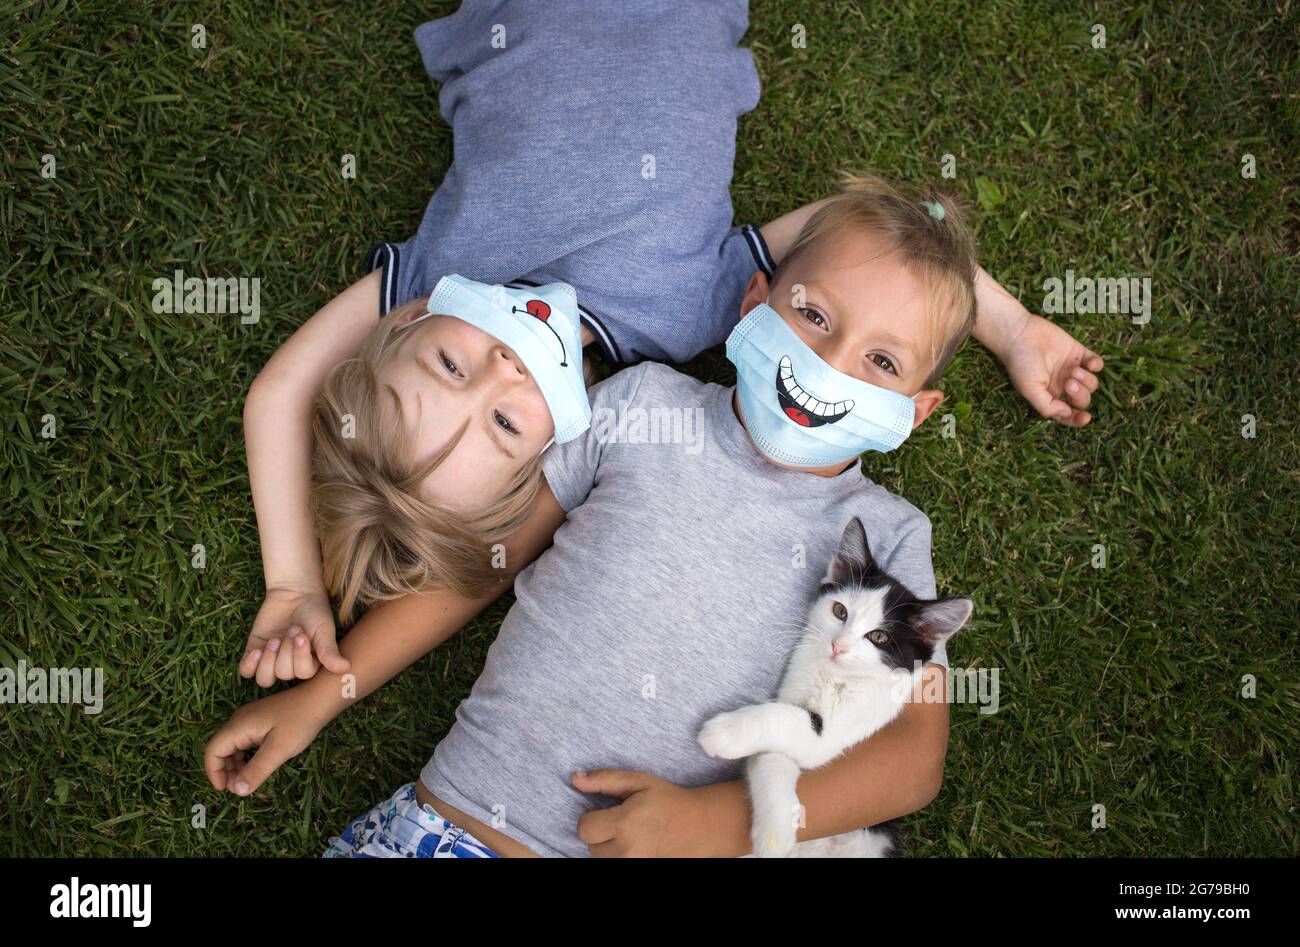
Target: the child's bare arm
(1055, 373)
(899, 770)
(387, 640)
(277, 432)
(779, 234)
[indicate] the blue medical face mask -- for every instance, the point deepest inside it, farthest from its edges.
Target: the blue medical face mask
(798, 410)
(540, 324)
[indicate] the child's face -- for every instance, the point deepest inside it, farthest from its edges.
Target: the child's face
(862, 312)
(449, 377)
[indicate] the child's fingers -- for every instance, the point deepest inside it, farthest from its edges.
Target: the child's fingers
(266, 666)
(596, 826)
(249, 664)
(619, 783)
(1049, 406)
(327, 652)
(1092, 361)
(257, 770)
(304, 664)
(1077, 393)
(232, 770)
(284, 659)
(324, 643)
(220, 754)
(1086, 378)
(216, 767)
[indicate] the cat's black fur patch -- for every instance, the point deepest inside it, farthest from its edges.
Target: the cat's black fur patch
(894, 829)
(816, 719)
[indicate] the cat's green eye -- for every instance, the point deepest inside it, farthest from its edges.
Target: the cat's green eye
(877, 636)
(839, 611)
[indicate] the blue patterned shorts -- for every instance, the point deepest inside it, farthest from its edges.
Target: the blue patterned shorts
(400, 827)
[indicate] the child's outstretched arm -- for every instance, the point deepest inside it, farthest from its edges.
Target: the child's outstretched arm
(294, 627)
(1054, 372)
(899, 770)
(390, 638)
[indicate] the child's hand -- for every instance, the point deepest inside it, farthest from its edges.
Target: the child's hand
(292, 636)
(280, 726)
(1054, 372)
(655, 818)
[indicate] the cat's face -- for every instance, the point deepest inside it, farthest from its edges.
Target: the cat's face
(868, 625)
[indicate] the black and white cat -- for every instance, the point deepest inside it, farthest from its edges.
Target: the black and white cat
(866, 639)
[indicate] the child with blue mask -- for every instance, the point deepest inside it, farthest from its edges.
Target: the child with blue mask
(608, 175)
(681, 561)
(633, 212)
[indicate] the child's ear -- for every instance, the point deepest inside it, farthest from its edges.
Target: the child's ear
(926, 401)
(756, 292)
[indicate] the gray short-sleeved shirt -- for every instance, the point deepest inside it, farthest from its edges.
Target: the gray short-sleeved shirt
(593, 144)
(673, 591)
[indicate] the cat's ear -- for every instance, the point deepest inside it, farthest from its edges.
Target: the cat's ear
(852, 561)
(939, 620)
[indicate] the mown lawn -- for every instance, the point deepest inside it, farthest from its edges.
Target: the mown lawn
(1120, 686)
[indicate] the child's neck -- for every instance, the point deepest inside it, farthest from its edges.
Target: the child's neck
(832, 471)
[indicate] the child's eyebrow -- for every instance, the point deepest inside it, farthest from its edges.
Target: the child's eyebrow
(890, 339)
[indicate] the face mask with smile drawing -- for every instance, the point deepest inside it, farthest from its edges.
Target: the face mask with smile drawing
(798, 410)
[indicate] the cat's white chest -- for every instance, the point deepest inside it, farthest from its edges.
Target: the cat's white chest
(829, 695)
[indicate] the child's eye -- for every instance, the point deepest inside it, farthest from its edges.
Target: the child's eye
(877, 636)
(815, 317)
(884, 362)
(449, 365)
(503, 422)
(839, 611)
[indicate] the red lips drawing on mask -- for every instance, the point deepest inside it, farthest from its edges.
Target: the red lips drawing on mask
(539, 309)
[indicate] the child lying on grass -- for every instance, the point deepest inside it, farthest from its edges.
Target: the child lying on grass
(550, 183)
(674, 586)
(671, 590)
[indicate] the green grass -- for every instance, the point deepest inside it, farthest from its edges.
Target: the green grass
(1120, 686)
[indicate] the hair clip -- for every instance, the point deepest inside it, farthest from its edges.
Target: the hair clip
(935, 209)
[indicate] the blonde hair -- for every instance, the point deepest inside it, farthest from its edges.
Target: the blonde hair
(930, 232)
(379, 538)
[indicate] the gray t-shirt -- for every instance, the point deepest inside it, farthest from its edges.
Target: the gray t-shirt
(674, 590)
(593, 144)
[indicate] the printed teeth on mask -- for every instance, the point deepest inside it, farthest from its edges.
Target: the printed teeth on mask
(805, 400)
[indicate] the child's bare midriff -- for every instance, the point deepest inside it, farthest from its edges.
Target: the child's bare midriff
(500, 843)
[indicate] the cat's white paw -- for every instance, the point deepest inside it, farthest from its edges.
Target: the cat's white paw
(774, 838)
(728, 736)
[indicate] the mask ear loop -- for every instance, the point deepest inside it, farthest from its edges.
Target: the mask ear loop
(407, 325)
(548, 444)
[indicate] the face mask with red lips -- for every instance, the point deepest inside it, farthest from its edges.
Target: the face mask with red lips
(798, 410)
